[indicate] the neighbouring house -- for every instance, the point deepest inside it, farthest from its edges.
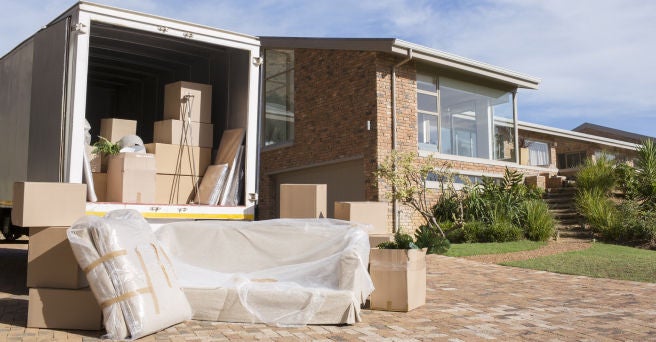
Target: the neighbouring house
(335, 107)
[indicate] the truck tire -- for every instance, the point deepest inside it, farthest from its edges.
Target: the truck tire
(8, 230)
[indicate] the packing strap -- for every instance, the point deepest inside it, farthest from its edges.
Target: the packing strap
(149, 282)
(125, 296)
(102, 259)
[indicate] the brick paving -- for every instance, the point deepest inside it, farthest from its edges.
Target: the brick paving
(467, 301)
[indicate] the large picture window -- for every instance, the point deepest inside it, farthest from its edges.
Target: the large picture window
(464, 119)
(279, 97)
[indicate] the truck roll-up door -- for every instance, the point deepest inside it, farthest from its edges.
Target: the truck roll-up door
(48, 119)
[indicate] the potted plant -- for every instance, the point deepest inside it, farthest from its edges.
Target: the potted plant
(398, 269)
(102, 149)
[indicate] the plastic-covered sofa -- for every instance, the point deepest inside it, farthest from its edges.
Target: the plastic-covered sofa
(284, 272)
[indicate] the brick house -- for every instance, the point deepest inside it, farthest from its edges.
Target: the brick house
(334, 108)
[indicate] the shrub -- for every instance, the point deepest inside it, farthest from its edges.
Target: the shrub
(646, 173)
(538, 223)
(627, 180)
(503, 231)
(598, 210)
(637, 227)
(401, 241)
(430, 238)
(597, 175)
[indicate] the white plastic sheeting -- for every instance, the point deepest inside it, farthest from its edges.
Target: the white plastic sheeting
(283, 272)
(129, 273)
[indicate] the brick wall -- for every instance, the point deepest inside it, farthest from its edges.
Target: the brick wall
(335, 95)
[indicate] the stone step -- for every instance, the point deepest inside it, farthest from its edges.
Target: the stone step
(561, 205)
(575, 234)
(559, 200)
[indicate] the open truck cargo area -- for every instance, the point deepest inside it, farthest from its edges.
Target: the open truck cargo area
(96, 62)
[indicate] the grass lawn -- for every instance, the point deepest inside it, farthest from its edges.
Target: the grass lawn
(600, 261)
(467, 249)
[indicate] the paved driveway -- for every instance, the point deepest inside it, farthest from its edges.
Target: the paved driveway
(467, 301)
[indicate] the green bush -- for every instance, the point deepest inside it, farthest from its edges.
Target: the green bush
(646, 174)
(430, 238)
(473, 231)
(597, 175)
(598, 210)
(637, 227)
(538, 223)
(503, 231)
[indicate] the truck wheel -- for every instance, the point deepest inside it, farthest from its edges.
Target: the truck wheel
(9, 231)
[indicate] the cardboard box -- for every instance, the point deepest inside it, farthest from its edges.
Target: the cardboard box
(303, 200)
(200, 104)
(377, 239)
(170, 132)
(115, 129)
(50, 260)
(97, 161)
(183, 191)
(167, 159)
(372, 213)
(399, 276)
(42, 204)
(63, 309)
(131, 178)
(100, 186)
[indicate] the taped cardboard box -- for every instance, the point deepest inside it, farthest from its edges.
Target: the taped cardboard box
(303, 200)
(131, 178)
(100, 185)
(372, 213)
(50, 260)
(168, 163)
(183, 189)
(170, 132)
(114, 129)
(198, 102)
(399, 277)
(63, 309)
(65, 203)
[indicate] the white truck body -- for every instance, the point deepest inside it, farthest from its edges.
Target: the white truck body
(94, 57)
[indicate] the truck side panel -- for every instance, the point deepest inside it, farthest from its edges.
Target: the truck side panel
(15, 93)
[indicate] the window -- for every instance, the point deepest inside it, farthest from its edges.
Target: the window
(570, 159)
(464, 119)
(279, 97)
(538, 153)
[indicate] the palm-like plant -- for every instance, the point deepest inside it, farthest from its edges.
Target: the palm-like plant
(646, 173)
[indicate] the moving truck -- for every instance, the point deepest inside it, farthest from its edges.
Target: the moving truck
(96, 61)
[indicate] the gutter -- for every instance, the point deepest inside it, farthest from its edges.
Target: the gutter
(395, 204)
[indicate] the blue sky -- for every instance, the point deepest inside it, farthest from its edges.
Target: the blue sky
(596, 58)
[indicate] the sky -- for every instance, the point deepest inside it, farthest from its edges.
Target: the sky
(596, 59)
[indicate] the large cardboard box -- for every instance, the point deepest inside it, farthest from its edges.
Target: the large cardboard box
(115, 129)
(170, 132)
(167, 159)
(199, 102)
(372, 213)
(303, 200)
(50, 260)
(100, 185)
(399, 277)
(63, 309)
(42, 204)
(183, 189)
(131, 178)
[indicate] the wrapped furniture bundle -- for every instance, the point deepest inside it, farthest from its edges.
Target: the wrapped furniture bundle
(130, 274)
(283, 272)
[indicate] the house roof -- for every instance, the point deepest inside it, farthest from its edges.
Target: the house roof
(403, 48)
(585, 137)
(613, 133)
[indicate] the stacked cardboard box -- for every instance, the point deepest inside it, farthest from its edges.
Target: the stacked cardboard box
(131, 178)
(182, 142)
(303, 200)
(59, 297)
(370, 213)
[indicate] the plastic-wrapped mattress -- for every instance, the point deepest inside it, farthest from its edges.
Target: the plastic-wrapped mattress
(130, 274)
(284, 272)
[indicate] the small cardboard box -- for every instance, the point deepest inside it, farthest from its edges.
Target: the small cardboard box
(115, 129)
(131, 178)
(372, 213)
(170, 132)
(43, 204)
(199, 103)
(63, 309)
(167, 159)
(399, 277)
(50, 260)
(100, 186)
(303, 200)
(183, 189)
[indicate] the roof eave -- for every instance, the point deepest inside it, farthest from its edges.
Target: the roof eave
(575, 135)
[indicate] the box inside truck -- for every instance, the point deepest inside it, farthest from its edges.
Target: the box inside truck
(128, 70)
